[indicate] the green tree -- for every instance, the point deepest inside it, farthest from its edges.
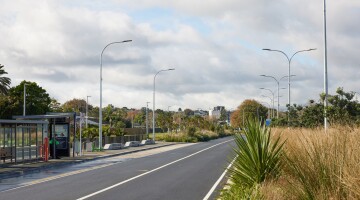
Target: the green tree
(342, 108)
(313, 115)
(4, 82)
(7, 107)
(55, 106)
(37, 100)
(223, 115)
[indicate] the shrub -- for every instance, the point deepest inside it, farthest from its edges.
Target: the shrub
(191, 131)
(258, 156)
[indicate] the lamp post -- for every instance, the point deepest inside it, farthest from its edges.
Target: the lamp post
(271, 102)
(289, 76)
(154, 99)
(273, 98)
(147, 121)
(169, 115)
(325, 70)
(24, 111)
(278, 88)
(100, 108)
(87, 111)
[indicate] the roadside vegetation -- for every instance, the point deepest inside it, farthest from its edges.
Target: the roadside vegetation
(175, 126)
(195, 135)
(311, 163)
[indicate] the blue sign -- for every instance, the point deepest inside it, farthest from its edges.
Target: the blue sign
(268, 122)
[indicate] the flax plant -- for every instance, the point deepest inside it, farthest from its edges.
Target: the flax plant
(259, 155)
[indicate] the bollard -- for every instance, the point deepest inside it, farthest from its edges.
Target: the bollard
(46, 149)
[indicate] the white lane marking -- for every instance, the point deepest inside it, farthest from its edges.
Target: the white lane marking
(143, 174)
(218, 181)
(57, 177)
(126, 156)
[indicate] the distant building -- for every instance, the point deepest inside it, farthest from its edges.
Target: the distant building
(201, 113)
(216, 112)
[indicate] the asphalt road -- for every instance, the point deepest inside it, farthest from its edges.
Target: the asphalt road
(185, 173)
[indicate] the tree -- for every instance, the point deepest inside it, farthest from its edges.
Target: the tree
(313, 115)
(342, 108)
(4, 81)
(247, 109)
(74, 105)
(37, 100)
(188, 112)
(55, 106)
(223, 115)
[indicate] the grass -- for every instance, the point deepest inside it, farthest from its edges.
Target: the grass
(322, 166)
(197, 136)
(316, 165)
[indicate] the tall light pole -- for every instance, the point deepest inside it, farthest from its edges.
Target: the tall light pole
(154, 100)
(289, 76)
(100, 108)
(87, 111)
(169, 114)
(325, 70)
(147, 121)
(273, 98)
(271, 102)
(24, 111)
(278, 88)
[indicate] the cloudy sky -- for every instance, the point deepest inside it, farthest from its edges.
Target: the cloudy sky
(215, 47)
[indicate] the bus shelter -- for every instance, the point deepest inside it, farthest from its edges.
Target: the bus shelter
(59, 132)
(22, 140)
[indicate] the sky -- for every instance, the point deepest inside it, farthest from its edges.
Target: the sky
(215, 47)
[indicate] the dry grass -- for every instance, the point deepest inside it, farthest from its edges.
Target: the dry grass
(318, 165)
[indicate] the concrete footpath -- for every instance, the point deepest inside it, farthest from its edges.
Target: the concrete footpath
(18, 169)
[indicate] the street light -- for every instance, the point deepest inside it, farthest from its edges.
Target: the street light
(278, 85)
(100, 108)
(169, 114)
(147, 121)
(87, 103)
(289, 76)
(273, 99)
(24, 111)
(325, 70)
(154, 100)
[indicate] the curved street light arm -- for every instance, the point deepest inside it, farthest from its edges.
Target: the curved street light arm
(100, 108)
(301, 51)
(153, 128)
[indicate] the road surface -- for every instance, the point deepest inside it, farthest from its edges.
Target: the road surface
(189, 172)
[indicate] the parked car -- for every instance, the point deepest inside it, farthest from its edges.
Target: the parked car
(132, 144)
(146, 142)
(113, 146)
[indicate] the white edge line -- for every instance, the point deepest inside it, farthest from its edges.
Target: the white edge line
(143, 174)
(218, 181)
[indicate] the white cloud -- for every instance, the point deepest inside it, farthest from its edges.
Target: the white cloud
(214, 46)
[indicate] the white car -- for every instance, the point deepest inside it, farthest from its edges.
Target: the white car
(146, 142)
(132, 144)
(113, 146)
